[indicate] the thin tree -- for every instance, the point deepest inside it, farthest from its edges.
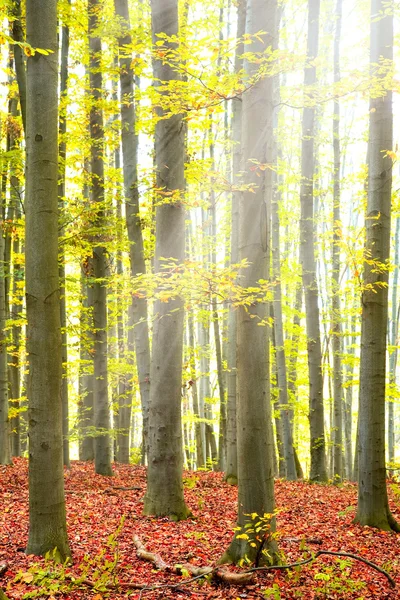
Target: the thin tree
(307, 258)
(101, 412)
(61, 194)
(164, 494)
(47, 522)
(254, 435)
(138, 267)
(231, 429)
(373, 506)
(336, 329)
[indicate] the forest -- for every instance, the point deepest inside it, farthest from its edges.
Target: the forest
(199, 304)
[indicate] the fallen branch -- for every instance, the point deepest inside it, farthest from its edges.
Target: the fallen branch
(216, 573)
(331, 553)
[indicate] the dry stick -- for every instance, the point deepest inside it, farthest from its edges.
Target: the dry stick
(197, 572)
(329, 552)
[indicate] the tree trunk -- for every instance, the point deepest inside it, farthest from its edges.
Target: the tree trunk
(47, 523)
(255, 438)
(86, 446)
(336, 328)
(280, 355)
(307, 258)
(19, 60)
(373, 505)
(102, 443)
(393, 332)
(348, 418)
(62, 149)
(138, 267)
(5, 457)
(164, 496)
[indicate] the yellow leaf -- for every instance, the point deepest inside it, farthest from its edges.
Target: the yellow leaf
(27, 577)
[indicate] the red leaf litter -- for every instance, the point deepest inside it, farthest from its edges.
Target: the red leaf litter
(311, 517)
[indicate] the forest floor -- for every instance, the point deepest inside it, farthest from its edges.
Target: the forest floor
(103, 520)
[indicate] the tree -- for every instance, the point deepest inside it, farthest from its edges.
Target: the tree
(47, 523)
(101, 411)
(164, 494)
(138, 267)
(336, 312)
(231, 429)
(307, 258)
(373, 506)
(254, 435)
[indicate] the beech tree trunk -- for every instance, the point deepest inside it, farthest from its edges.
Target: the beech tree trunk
(47, 523)
(373, 507)
(138, 267)
(164, 496)
(101, 412)
(393, 333)
(61, 194)
(231, 429)
(336, 328)
(307, 258)
(255, 437)
(5, 457)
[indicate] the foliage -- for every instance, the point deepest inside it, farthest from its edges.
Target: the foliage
(310, 518)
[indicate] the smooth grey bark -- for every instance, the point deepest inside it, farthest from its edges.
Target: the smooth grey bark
(13, 270)
(209, 442)
(373, 506)
(164, 496)
(231, 428)
(393, 333)
(216, 322)
(47, 522)
(348, 424)
(126, 394)
(255, 437)
(280, 354)
(86, 423)
(292, 366)
(62, 149)
(5, 457)
(101, 411)
(336, 327)
(138, 267)
(307, 259)
(198, 425)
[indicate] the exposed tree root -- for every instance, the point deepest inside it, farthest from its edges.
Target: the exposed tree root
(328, 552)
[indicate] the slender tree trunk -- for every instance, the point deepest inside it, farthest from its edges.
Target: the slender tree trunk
(126, 397)
(138, 267)
(20, 71)
(307, 257)
(164, 494)
(86, 446)
(5, 457)
(292, 366)
(336, 328)
(231, 428)
(373, 506)
(393, 332)
(102, 443)
(62, 148)
(348, 423)
(47, 522)
(280, 355)
(198, 425)
(14, 306)
(255, 437)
